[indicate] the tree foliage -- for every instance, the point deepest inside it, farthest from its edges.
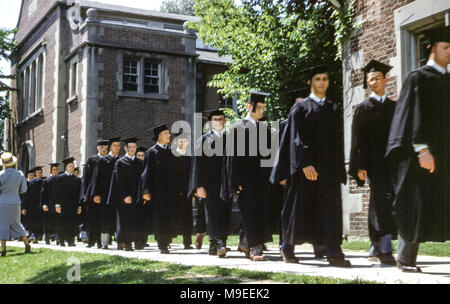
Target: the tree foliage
(271, 42)
(7, 46)
(184, 7)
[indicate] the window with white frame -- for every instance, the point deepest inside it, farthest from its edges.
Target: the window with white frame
(130, 73)
(31, 87)
(152, 76)
(141, 75)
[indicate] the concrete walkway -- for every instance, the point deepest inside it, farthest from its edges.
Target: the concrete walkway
(436, 270)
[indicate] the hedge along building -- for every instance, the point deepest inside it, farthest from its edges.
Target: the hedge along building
(390, 31)
(89, 70)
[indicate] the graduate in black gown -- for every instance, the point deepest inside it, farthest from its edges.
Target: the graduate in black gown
(419, 148)
(93, 206)
(48, 218)
(67, 203)
(32, 206)
(370, 130)
(24, 201)
(311, 162)
(247, 181)
(181, 168)
(206, 179)
(102, 188)
(124, 195)
(157, 186)
(144, 213)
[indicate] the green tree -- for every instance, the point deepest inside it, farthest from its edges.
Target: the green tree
(184, 7)
(7, 46)
(271, 42)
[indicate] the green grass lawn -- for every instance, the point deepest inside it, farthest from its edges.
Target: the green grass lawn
(46, 266)
(432, 249)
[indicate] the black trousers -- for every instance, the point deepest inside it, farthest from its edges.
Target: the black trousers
(94, 223)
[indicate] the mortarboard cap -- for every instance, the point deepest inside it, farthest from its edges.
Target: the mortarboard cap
(141, 149)
(158, 129)
(375, 66)
(30, 171)
(318, 69)
(114, 139)
(68, 161)
(37, 168)
(215, 112)
(102, 142)
(440, 34)
(256, 97)
(54, 165)
(130, 140)
(299, 93)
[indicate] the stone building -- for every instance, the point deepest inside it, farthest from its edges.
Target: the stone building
(390, 31)
(91, 70)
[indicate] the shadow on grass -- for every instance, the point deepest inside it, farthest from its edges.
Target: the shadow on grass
(116, 270)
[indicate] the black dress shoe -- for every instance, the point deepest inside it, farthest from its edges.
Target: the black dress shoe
(128, 247)
(105, 247)
(386, 259)
(188, 247)
(3, 253)
(27, 249)
(47, 242)
(244, 250)
(339, 263)
(289, 257)
(212, 251)
(164, 251)
(99, 246)
(407, 268)
(319, 255)
(71, 244)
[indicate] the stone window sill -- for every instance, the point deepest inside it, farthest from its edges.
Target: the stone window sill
(74, 98)
(127, 94)
(32, 116)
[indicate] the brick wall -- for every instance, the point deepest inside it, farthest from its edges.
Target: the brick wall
(40, 129)
(375, 40)
(27, 23)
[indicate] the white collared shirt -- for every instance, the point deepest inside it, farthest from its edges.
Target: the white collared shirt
(378, 97)
(68, 173)
(132, 158)
(181, 152)
(436, 66)
(248, 117)
(115, 156)
(317, 99)
(162, 146)
(218, 134)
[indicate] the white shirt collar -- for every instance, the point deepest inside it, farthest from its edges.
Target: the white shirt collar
(115, 156)
(162, 146)
(219, 134)
(248, 117)
(377, 97)
(317, 99)
(436, 66)
(68, 173)
(132, 158)
(181, 152)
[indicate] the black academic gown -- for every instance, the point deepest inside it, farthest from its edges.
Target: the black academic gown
(32, 205)
(102, 188)
(24, 202)
(370, 130)
(246, 171)
(422, 200)
(157, 181)
(207, 173)
(181, 167)
(313, 209)
(124, 183)
(46, 199)
(67, 194)
(93, 212)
